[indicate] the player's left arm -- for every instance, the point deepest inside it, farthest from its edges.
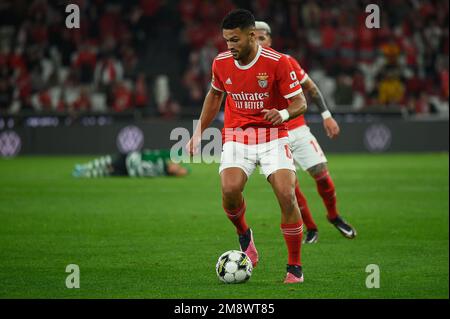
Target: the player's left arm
(296, 108)
(290, 88)
(330, 125)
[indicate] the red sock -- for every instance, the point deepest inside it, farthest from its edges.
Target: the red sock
(304, 209)
(237, 217)
(293, 234)
(326, 190)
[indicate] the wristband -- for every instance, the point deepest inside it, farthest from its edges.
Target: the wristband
(284, 114)
(326, 115)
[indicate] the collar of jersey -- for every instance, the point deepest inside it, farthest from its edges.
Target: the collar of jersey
(248, 66)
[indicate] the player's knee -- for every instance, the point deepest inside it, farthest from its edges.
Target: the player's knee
(231, 189)
(318, 169)
(286, 196)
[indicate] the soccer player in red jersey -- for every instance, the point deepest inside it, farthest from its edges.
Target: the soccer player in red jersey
(257, 81)
(307, 152)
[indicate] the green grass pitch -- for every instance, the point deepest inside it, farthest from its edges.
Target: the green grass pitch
(160, 238)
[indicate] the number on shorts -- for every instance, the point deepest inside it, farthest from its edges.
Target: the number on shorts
(313, 143)
(288, 151)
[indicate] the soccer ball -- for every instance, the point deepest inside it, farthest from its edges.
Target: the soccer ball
(234, 267)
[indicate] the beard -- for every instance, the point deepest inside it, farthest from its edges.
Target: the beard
(244, 52)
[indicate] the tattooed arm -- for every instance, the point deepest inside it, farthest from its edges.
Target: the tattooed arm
(330, 125)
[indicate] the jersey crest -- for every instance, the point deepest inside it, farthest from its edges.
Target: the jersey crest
(262, 80)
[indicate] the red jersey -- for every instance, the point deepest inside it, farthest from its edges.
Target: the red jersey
(265, 83)
(302, 76)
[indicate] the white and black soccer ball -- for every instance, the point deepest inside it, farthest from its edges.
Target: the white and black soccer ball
(234, 267)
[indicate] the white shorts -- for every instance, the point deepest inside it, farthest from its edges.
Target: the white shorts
(271, 156)
(305, 148)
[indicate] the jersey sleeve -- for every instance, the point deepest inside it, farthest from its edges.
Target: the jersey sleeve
(216, 82)
(288, 83)
(301, 74)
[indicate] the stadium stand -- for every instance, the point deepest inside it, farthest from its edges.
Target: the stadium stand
(154, 56)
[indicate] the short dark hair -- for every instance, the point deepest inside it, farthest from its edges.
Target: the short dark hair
(239, 18)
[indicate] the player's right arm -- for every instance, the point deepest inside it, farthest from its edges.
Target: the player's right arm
(211, 107)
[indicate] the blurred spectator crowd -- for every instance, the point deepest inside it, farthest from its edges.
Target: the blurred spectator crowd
(104, 65)
(401, 66)
(45, 66)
